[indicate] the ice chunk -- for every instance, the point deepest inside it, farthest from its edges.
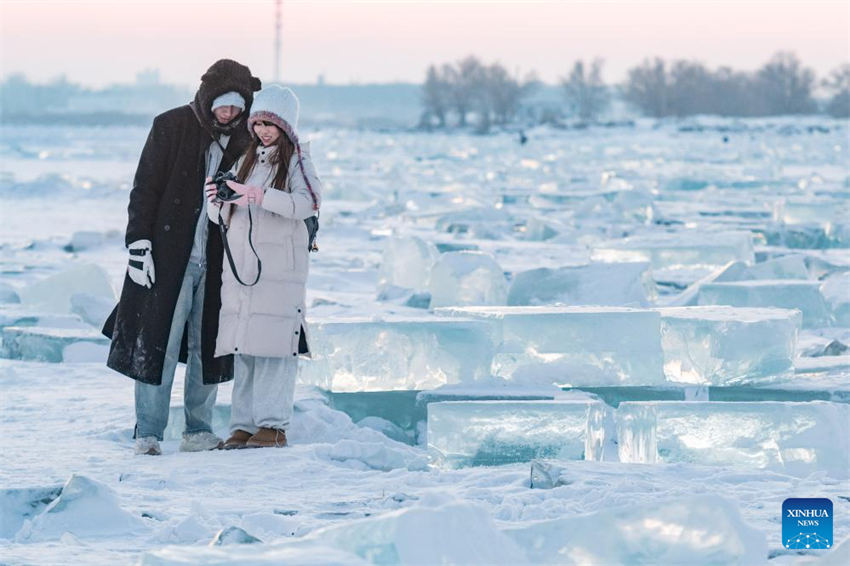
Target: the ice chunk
(488, 433)
(401, 353)
(786, 267)
(482, 223)
(51, 344)
(85, 508)
(19, 315)
(84, 240)
(407, 263)
(92, 309)
(786, 294)
(19, 504)
(822, 211)
(546, 475)
(590, 346)
(54, 292)
(620, 284)
(787, 437)
(666, 250)
(720, 345)
(233, 535)
(467, 278)
(836, 291)
(689, 529)
(452, 533)
(8, 294)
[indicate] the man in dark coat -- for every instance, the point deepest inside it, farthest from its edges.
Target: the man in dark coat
(171, 294)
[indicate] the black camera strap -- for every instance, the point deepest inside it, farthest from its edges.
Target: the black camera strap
(222, 228)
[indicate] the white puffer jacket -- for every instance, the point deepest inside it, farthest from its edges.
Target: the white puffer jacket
(267, 319)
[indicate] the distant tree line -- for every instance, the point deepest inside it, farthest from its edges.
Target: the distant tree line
(470, 87)
(783, 85)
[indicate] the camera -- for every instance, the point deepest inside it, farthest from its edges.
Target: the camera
(224, 193)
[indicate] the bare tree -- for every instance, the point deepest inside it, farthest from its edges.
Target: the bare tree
(690, 89)
(646, 87)
(435, 95)
(586, 93)
(503, 93)
(785, 86)
(465, 82)
(838, 83)
(733, 93)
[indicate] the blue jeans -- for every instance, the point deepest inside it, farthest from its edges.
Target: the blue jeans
(152, 401)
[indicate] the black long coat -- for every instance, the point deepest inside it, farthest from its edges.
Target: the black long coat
(165, 203)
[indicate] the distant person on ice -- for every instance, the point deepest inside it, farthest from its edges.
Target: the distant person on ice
(263, 304)
(171, 298)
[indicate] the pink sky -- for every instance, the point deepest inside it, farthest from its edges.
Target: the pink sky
(102, 42)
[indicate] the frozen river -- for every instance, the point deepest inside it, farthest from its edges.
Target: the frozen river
(658, 316)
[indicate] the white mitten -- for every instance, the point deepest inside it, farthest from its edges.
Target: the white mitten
(140, 266)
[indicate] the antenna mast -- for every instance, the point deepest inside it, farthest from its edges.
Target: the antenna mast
(277, 10)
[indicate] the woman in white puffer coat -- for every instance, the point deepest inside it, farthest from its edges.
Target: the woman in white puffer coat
(263, 324)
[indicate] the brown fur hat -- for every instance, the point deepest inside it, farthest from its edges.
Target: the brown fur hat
(223, 76)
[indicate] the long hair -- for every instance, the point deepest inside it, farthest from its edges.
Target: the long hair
(280, 160)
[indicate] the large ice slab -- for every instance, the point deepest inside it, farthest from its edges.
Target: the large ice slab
(619, 284)
(722, 345)
(665, 250)
(836, 291)
(784, 294)
(489, 433)
(54, 292)
(574, 345)
(53, 344)
(467, 278)
(398, 353)
(664, 529)
(793, 438)
(406, 262)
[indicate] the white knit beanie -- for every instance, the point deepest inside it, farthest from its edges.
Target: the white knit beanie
(278, 105)
(231, 98)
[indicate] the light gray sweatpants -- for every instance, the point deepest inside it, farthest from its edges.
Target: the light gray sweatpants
(263, 392)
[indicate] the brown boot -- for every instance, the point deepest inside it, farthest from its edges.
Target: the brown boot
(267, 437)
(237, 439)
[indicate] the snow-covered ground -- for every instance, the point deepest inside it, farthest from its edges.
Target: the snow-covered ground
(641, 222)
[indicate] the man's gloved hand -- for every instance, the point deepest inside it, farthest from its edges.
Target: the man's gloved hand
(213, 204)
(249, 194)
(140, 266)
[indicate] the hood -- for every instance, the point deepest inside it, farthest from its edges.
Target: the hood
(223, 76)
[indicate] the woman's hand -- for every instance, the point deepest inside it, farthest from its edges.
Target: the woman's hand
(248, 194)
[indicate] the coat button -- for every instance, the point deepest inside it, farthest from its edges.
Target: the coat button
(296, 332)
(167, 228)
(294, 354)
(177, 201)
(299, 310)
